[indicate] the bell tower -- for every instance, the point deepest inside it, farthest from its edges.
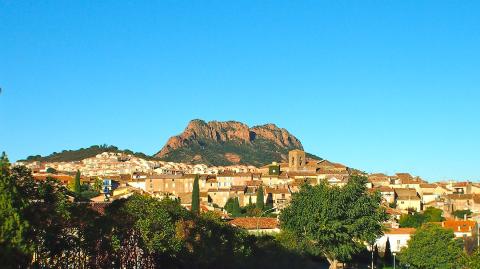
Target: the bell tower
(296, 159)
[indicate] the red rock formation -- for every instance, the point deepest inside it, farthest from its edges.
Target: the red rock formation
(229, 131)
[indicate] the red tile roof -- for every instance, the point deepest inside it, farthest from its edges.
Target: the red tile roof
(400, 231)
(459, 225)
(250, 223)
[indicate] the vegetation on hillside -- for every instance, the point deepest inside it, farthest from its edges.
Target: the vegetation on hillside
(258, 153)
(212, 153)
(82, 153)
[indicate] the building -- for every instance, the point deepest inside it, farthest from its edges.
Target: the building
(461, 228)
(407, 199)
(398, 239)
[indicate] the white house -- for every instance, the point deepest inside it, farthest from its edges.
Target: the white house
(398, 239)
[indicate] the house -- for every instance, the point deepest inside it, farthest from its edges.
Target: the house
(219, 196)
(254, 225)
(475, 188)
(407, 199)
(461, 187)
(251, 195)
(459, 202)
(388, 194)
(461, 228)
(398, 238)
(379, 179)
(118, 193)
(278, 197)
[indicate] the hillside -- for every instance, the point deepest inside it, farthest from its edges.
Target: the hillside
(231, 142)
(80, 154)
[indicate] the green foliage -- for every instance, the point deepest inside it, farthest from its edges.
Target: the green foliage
(87, 192)
(82, 153)
(76, 183)
(417, 219)
(461, 213)
(472, 261)
(260, 204)
(414, 220)
(98, 185)
(13, 226)
(236, 211)
(376, 256)
(336, 221)
(387, 256)
(51, 170)
(433, 215)
(432, 247)
(229, 205)
(196, 196)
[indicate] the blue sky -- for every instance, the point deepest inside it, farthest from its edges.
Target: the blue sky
(384, 86)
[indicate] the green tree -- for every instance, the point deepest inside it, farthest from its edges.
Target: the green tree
(196, 196)
(387, 256)
(335, 221)
(433, 214)
(432, 246)
(376, 256)
(98, 185)
(4, 164)
(51, 170)
(229, 205)
(417, 219)
(472, 261)
(76, 183)
(13, 226)
(260, 202)
(461, 213)
(414, 220)
(236, 211)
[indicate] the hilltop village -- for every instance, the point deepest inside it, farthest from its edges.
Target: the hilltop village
(401, 193)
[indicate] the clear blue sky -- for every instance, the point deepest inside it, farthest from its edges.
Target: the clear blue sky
(385, 86)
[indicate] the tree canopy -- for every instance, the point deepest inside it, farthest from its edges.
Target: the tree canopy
(335, 221)
(417, 219)
(432, 246)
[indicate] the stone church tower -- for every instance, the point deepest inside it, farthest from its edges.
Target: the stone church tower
(296, 160)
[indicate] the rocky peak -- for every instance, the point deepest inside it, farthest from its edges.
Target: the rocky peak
(220, 132)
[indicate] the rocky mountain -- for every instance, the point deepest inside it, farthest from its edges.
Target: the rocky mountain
(230, 142)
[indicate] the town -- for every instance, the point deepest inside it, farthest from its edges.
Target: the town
(122, 175)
